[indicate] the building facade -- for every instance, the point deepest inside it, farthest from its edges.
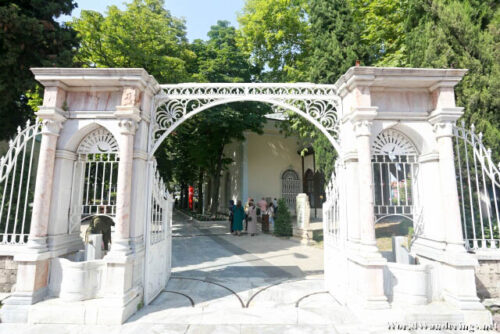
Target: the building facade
(270, 165)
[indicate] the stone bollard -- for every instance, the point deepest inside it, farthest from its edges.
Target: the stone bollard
(93, 250)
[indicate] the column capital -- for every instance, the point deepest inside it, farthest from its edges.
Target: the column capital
(51, 127)
(129, 112)
(449, 114)
(443, 120)
(443, 129)
(52, 119)
(127, 126)
(363, 128)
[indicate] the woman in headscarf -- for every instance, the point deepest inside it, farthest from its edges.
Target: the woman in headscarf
(252, 218)
(238, 216)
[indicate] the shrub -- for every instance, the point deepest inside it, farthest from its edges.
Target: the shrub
(283, 220)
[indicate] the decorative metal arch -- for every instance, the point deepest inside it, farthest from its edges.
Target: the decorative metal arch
(174, 104)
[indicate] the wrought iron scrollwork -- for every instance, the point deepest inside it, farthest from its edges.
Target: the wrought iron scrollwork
(176, 103)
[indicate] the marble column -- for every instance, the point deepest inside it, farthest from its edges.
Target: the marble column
(33, 264)
(449, 192)
(124, 186)
(352, 198)
(43, 189)
(362, 130)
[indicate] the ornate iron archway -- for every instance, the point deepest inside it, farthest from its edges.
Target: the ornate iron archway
(174, 104)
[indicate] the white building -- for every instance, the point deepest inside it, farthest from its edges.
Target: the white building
(270, 165)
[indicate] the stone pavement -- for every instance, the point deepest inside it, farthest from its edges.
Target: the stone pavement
(221, 283)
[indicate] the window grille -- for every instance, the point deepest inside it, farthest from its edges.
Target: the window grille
(290, 187)
(395, 166)
(98, 160)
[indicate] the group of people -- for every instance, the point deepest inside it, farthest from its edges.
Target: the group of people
(247, 217)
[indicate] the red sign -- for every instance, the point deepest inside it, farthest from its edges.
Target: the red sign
(190, 197)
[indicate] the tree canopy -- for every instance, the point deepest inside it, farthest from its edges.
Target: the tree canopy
(277, 40)
(145, 34)
(29, 37)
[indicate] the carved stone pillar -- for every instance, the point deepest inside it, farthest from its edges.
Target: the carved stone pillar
(449, 192)
(128, 114)
(367, 264)
(362, 129)
(456, 269)
(33, 265)
(43, 189)
(124, 186)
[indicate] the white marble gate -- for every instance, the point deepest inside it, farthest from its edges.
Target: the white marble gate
(158, 237)
(362, 105)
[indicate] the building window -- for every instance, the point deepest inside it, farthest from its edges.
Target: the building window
(290, 187)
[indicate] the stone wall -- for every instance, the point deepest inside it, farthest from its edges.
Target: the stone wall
(8, 273)
(488, 279)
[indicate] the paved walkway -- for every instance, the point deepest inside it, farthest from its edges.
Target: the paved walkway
(245, 284)
(221, 283)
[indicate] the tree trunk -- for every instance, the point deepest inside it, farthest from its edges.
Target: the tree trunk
(209, 193)
(200, 191)
(181, 200)
(184, 194)
(216, 183)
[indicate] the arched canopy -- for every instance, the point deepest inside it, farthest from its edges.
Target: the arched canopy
(319, 104)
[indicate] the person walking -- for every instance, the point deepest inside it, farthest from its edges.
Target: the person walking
(231, 215)
(262, 215)
(238, 216)
(262, 205)
(270, 212)
(252, 219)
(249, 202)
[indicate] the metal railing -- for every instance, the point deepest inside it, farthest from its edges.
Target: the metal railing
(334, 207)
(159, 208)
(478, 181)
(17, 184)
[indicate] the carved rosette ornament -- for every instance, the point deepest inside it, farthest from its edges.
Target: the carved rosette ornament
(127, 126)
(176, 103)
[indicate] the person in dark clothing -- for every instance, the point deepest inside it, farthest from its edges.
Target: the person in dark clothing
(238, 217)
(231, 215)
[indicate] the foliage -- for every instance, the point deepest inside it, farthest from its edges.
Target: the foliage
(29, 37)
(383, 25)
(143, 35)
(336, 37)
(220, 59)
(462, 34)
(276, 34)
(283, 220)
(198, 145)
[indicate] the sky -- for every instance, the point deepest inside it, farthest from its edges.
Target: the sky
(199, 14)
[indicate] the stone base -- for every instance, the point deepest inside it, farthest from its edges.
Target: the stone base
(306, 234)
(100, 311)
(434, 313)
(16, 307)
(488, 278)
(8, 273)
